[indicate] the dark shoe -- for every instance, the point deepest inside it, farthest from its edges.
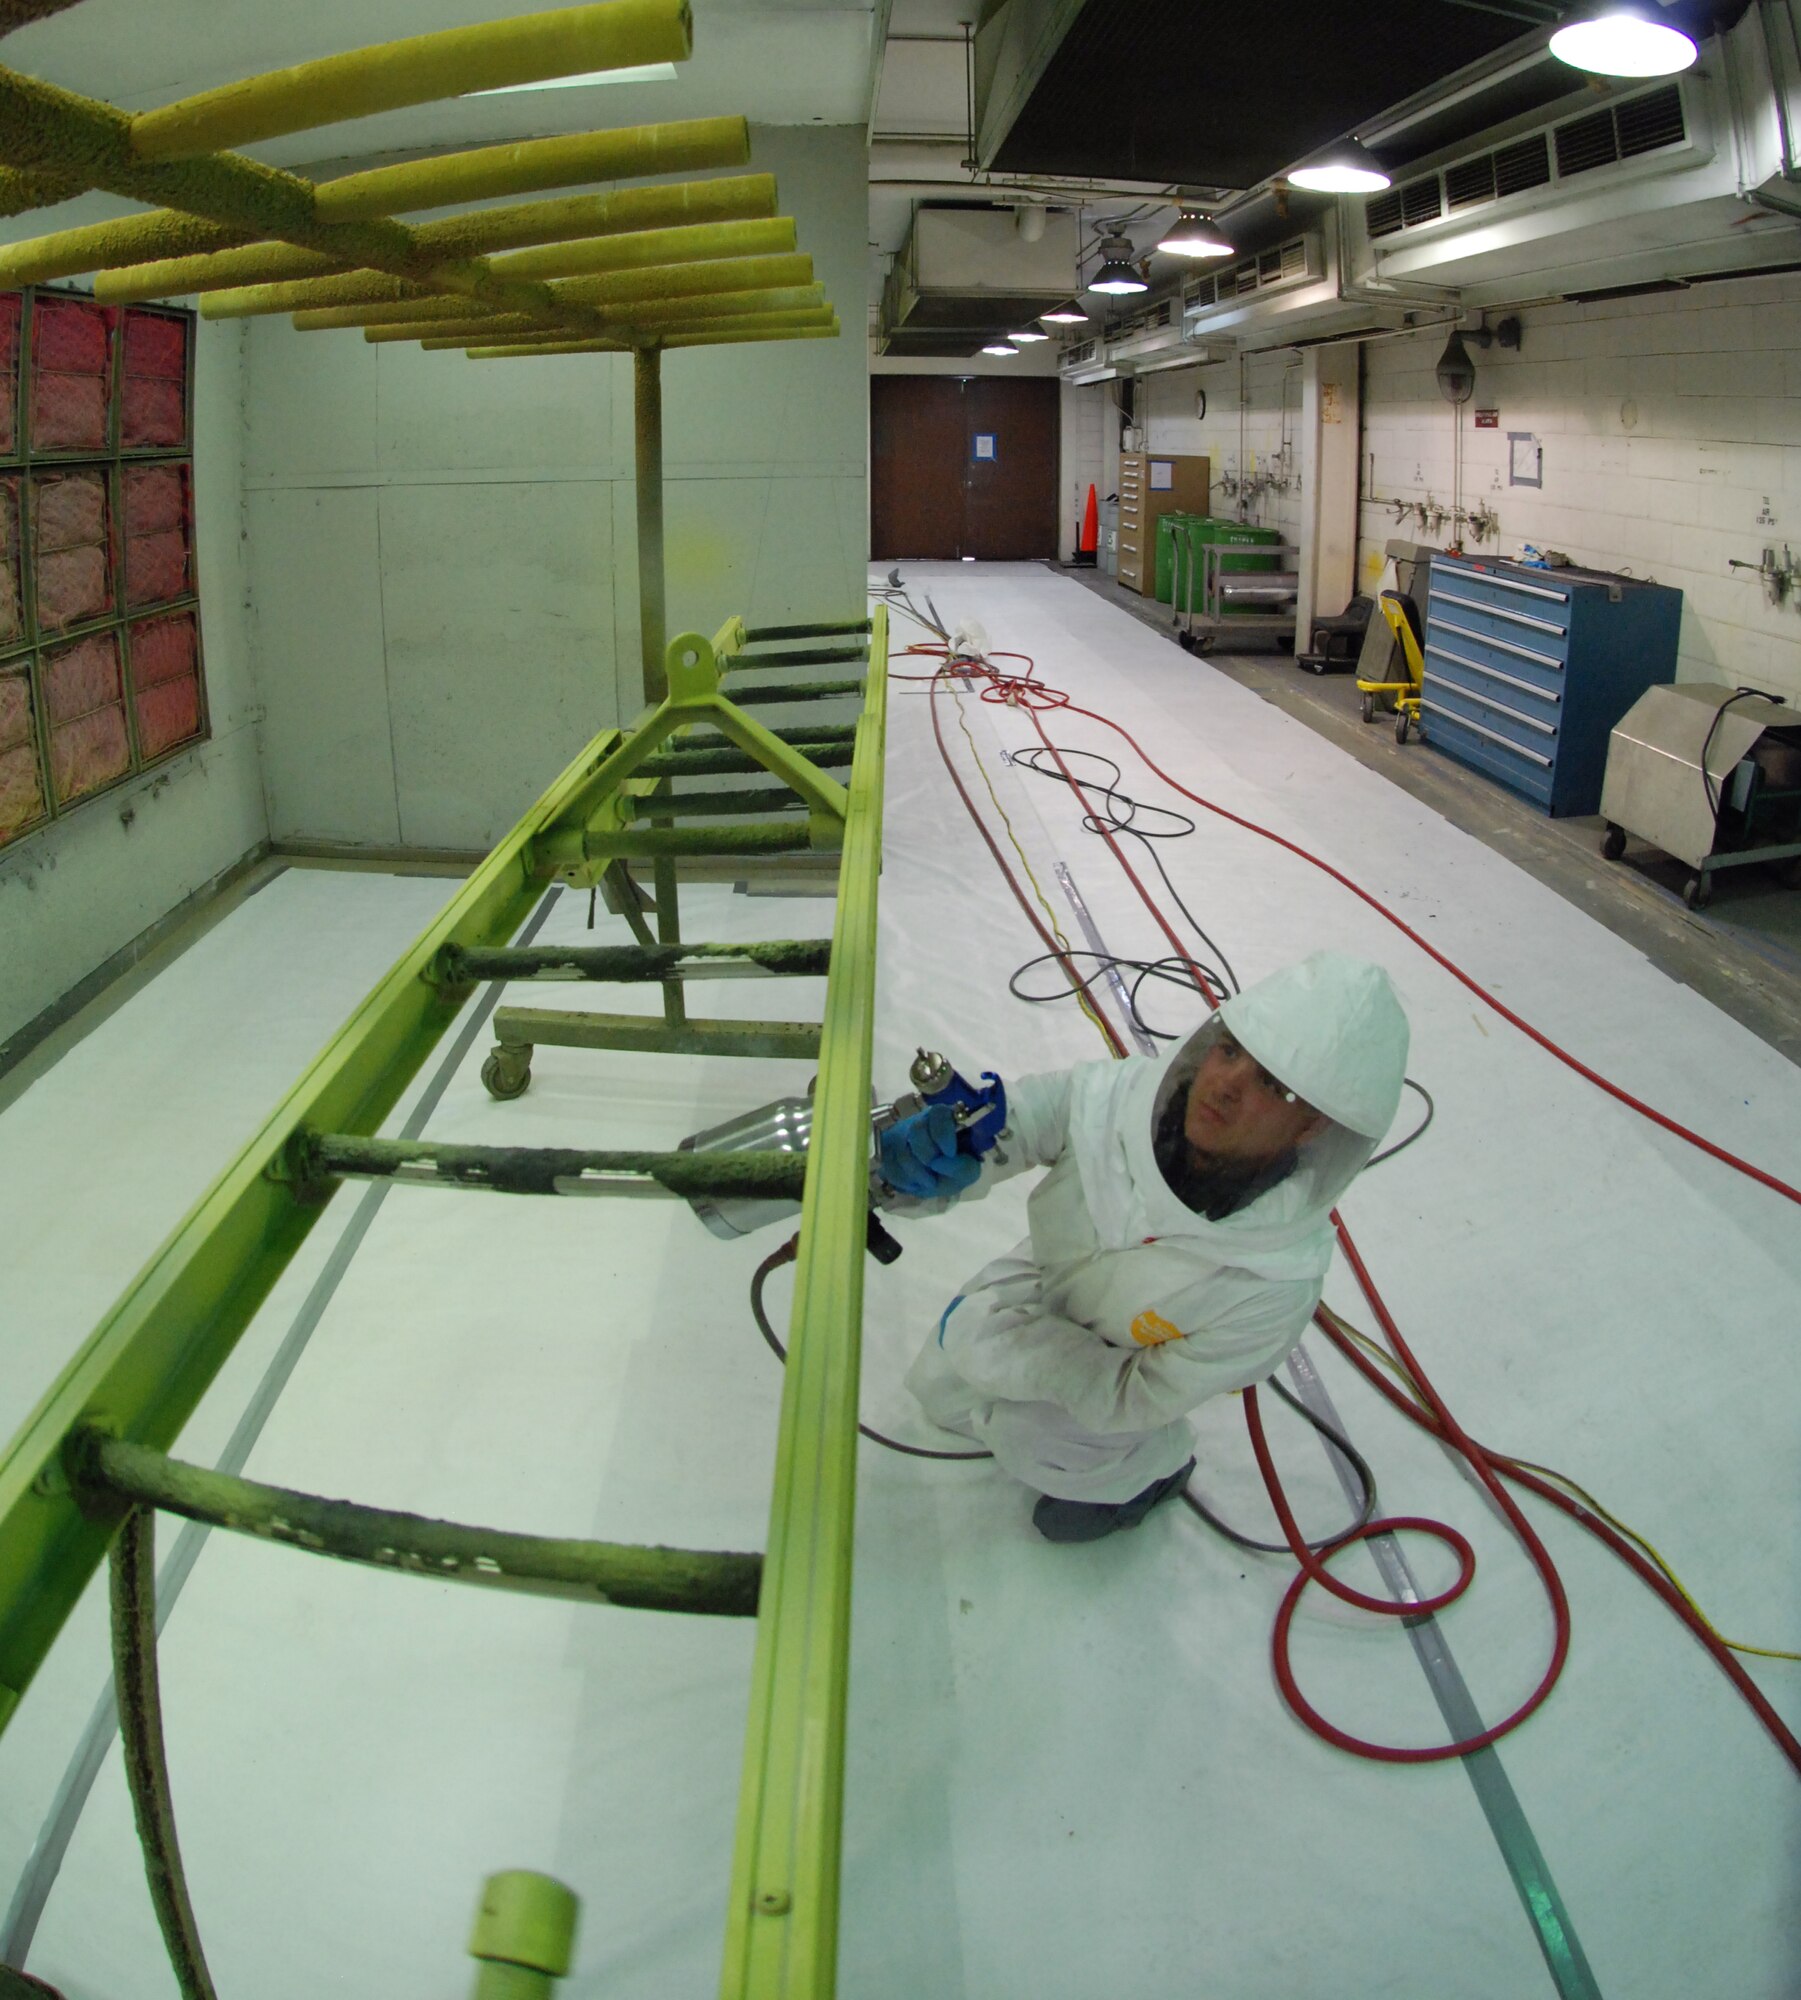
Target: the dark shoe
(1088, 1520)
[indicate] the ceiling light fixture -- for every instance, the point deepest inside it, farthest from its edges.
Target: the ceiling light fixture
(1118, 274)
(1028, 333)
(1193, 235)
(1623, 40)
(637, 73)
(999, 347)
(1347, 167)
(1066, 315)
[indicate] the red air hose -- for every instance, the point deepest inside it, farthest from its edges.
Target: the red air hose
(1030, 693)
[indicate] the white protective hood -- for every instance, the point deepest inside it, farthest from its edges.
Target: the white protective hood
(1332, 1029)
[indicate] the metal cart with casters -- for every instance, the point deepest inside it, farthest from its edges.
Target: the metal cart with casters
(1216, 597)
(1712, 775)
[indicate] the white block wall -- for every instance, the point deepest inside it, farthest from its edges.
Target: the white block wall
(1670, 428)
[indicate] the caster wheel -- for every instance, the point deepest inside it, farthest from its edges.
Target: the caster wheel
(1186, 641)
(1697, 892)
(1403, 725)
(506, 1073)
(1613, 843)
(1204, 644)
(1369, 708)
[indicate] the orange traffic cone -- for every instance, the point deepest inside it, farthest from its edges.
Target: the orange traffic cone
(1091, 525)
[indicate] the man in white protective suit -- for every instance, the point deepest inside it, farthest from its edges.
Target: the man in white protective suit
(1177, 1245)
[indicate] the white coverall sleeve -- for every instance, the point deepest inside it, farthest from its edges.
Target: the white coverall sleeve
(1036, 1132)
(1026, 1354)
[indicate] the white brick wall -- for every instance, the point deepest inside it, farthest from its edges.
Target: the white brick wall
(1669, 423)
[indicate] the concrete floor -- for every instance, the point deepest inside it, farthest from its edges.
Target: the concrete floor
(1743, 953)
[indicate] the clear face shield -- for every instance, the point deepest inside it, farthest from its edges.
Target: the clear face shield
(1248, 1112)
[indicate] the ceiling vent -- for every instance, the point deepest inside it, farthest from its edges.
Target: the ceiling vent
(1653, 122)
(1296, 262)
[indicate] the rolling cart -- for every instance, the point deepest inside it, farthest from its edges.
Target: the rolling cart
(1710, 774)
(1218, 594)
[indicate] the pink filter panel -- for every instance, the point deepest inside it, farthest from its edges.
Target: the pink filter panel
(157, 567)
(85, 706)
(153, 401)
(11, 620)
(21, 795)
(74, 569)
(71, 347)
(155, 344)
(165, 675)
(9, 373)
(156, 498)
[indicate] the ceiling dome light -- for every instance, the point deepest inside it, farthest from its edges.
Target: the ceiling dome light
(1029, 333)
(1623, 41)
(1000, 347)
(1066, 315)
(1344, 168)
(1118, 274)
(1194, 236)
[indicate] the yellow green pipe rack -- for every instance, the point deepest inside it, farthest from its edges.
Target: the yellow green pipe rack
(633, 271)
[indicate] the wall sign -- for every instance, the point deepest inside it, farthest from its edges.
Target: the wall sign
(984, 444)
(1488, 420)
(1525, 459)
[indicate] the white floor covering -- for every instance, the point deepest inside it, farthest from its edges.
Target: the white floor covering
(1071, 1775)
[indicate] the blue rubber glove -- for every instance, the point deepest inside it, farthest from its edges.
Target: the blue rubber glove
(920, 1155)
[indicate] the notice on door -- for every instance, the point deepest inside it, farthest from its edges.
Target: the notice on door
(1163, 475)
(983, 443)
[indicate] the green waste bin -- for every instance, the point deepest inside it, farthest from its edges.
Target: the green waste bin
(1215, 530)
(1169, 526)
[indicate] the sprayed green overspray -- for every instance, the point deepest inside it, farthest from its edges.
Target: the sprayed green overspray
(110, 1475)
(770, 1176)
(789, 958)
(521, 1029)
(50, 130)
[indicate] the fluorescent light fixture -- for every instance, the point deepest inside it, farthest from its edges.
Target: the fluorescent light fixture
(1118, 274)
(1343, 168)
(1069, 315)
(1000, 347)
(1029, 333)
(1194, 236)
(1623, 41)
(640, 73)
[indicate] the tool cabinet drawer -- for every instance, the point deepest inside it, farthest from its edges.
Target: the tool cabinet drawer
(1527, 670)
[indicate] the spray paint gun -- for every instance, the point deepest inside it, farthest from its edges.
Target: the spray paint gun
(786, 1126)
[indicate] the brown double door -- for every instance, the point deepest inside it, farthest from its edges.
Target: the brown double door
(962, 465)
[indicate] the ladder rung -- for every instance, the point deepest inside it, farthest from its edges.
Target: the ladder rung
(775, 958)
(753, 635)
(522, 1029)
(723, 1583)
(806, 737)
(797, 691)
(751, 1175)
(683, 805)
(811, 656)
(709, 763)
(661, 843)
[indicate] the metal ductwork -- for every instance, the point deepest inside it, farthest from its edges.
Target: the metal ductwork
(968, 274)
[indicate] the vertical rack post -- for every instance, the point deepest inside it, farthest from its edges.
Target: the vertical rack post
(647, 426)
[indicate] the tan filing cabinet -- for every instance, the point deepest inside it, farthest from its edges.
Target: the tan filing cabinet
(1152, 484)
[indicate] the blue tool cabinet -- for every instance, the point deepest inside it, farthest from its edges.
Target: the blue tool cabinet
(1527, 670)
